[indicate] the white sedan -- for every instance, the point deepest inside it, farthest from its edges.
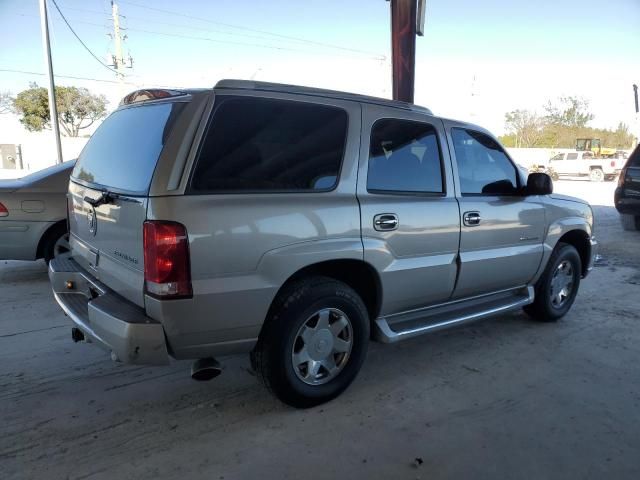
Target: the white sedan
(33, 214)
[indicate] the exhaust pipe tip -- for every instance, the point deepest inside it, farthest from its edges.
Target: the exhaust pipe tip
(77, 335)
(205, 369)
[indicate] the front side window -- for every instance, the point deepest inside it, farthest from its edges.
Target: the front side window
(483, 166)
(558, 157)
(404, 156)
(262, 145)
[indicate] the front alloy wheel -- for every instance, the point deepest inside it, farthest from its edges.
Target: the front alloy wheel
(557, 287)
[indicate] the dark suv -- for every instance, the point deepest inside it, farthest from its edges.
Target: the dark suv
(627, 196)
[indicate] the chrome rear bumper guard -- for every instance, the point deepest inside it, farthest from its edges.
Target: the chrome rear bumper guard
(106, 318)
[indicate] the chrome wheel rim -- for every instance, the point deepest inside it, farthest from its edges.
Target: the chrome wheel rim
(322, 346)
(61, 246)
(561, 284)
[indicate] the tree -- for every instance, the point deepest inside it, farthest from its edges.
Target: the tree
(526, 126)
(6, 102)
(569, 112)
(77, 108)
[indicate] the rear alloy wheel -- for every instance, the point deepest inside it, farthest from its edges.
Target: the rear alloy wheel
(313, 342)
(556, 289)
(596, 175)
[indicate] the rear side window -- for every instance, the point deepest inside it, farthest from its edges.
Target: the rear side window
(572, 156)
(122, 154)
(483, 166)
(404, 156)
(262, 145)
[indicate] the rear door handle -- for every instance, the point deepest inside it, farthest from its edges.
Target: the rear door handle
(471, 219)
(385, 222)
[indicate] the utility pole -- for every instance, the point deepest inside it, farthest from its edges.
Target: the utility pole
(118, 61)
(53, 109)
(407, 21)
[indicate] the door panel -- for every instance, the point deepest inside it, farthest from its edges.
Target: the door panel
(416, 254)
(505, 249)
(501, 239)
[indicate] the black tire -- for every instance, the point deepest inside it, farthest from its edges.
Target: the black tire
(543, 309)
(630, 222)
(272, 357)
(50, 247)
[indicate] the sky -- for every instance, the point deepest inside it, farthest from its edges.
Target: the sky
(477, 60)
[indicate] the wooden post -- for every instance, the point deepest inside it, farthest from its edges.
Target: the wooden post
(403, 48)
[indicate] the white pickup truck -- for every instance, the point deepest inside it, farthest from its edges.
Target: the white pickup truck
(582, 164)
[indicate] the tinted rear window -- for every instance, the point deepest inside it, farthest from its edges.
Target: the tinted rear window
(263, 145)
(122, 154)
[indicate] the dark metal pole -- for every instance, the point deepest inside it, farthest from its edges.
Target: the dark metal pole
(635, 94)
(403, 48)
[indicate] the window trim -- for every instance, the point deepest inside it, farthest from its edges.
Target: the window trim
(519, 186)
(220, 100)
(405, 193)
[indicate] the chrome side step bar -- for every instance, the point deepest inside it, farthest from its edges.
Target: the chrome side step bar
(445, 316)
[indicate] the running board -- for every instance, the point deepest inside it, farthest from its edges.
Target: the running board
(407, 325)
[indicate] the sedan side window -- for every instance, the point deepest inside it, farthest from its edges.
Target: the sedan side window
(483, 166)
(572, 156)
(404, 157)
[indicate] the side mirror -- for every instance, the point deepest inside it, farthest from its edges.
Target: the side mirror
(539, 184)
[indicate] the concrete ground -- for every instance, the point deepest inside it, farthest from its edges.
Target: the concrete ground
(507, 398)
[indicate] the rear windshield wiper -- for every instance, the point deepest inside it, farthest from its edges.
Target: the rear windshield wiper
(104, 198)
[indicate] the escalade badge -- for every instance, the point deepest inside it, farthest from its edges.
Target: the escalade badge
(92, 220)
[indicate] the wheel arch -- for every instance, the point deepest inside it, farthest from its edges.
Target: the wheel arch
(580, 240)
(46, 237)
(355, 273)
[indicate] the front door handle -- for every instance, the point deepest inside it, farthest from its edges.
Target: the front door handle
(385, 222)
(471, 219)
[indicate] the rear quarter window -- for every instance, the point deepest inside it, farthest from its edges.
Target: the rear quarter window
(269, 145)
(123, 152)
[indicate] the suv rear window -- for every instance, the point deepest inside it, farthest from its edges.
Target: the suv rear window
(122, 153)
(262, 145)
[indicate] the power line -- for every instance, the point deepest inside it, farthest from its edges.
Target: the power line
(264, 32)
(83, 44)
(228, 42)
(10, 70)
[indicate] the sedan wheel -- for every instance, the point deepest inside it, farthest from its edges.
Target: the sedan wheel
(61, 247)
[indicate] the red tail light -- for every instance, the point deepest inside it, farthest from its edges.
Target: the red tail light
(4, 212)
(166, 260)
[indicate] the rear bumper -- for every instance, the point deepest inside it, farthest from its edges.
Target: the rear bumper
(106, 318)
(626, 203)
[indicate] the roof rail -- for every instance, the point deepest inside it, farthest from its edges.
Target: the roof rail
(320, 92)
